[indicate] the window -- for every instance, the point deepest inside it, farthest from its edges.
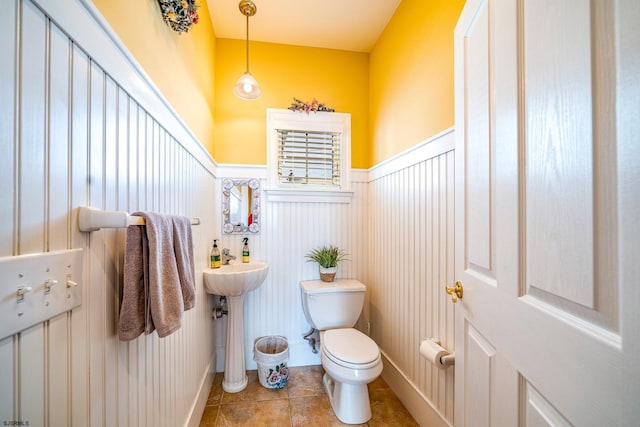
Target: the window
(309, 156)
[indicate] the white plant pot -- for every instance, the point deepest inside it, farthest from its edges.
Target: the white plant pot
(327, 274)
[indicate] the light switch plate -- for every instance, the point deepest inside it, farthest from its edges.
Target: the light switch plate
(51, 284)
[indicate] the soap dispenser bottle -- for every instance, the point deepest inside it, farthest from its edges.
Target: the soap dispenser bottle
(215, 255)
(245, 250)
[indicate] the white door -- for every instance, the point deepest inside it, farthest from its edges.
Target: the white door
(548, 213)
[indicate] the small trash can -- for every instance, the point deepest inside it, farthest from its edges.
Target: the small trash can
(271, 353)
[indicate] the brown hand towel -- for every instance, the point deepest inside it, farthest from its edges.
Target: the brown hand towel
(166, 304)
(133, 308)
(158, 276)
(183, 248)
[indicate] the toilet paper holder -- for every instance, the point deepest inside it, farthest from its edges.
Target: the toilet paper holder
(448, 360)
(431, 349)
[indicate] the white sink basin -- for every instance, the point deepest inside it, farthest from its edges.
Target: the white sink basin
(235, 279)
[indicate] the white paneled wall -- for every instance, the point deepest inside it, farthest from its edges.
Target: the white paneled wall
(411, 252)
(289, 231)
(71, 135)
(398, 230)
(292, 229)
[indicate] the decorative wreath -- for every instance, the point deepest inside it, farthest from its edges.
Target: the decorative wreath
(180, 15)
(307, 107)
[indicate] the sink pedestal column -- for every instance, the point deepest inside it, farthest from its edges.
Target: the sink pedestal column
(233, 281)
(235, 375)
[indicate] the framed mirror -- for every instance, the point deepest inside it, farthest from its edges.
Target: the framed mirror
(240, 206)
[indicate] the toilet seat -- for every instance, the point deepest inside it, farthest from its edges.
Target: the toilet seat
(350, 348)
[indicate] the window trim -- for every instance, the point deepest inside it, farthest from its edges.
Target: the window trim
(318, 122)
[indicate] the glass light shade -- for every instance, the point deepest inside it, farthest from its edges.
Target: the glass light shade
(247, 87)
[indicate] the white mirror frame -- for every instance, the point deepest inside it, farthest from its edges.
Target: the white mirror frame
(227, 226)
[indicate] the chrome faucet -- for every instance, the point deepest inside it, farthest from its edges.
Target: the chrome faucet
(226, 257)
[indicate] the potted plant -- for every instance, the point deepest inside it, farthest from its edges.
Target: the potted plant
(327, 258)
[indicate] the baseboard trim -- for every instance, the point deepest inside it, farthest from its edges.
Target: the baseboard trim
(203, 394)
(416, 403)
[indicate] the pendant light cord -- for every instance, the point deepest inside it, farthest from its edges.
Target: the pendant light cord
(247, 47)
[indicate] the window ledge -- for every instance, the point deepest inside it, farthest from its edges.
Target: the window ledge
(297, 195)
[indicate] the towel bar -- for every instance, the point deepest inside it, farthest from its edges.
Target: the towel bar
(92, 219)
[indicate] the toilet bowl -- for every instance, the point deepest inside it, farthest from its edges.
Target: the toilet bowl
(351, 359)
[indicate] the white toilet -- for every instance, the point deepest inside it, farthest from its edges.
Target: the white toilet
(350, 359)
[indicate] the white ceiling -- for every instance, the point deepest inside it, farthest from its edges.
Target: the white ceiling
(353, 25)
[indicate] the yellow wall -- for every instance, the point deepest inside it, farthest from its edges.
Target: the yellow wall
(181, 66)
(339, 79)
(398, 95)
(411, 77)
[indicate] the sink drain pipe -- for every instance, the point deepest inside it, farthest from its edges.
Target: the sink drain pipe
(221, 309)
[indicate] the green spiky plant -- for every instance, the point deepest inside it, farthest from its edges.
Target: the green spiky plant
(327, 256)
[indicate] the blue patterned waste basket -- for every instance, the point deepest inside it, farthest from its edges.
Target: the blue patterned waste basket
(271, 353)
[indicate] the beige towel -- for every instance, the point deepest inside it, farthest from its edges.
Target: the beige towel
(183, 248)
(158, 276)
(134, 291)
(165, 294)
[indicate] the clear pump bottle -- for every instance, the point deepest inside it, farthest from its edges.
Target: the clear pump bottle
(245, 250)
(215, 255)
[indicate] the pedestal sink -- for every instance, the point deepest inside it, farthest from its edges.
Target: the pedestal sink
(234, 281)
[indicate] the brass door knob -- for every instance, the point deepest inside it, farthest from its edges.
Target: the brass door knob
(454, 291)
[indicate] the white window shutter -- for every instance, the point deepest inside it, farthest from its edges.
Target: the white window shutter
(308, 157)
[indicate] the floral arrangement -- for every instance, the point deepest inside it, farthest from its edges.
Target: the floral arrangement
(180, 15)
(314, 106)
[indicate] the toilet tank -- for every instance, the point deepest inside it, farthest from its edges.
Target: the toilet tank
(331, 305)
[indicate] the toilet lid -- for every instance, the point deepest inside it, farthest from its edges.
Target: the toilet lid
(350, 346)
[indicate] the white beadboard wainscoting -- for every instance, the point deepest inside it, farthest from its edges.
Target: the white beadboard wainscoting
(81, 125)
(288, 231)
(411, 252)
(398, 230)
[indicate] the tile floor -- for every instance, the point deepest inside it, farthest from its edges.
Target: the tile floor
(303, 402)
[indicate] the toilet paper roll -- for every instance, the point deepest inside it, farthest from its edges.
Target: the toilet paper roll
(431, 351)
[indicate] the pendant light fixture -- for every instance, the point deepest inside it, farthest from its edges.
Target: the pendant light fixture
(247, 86)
